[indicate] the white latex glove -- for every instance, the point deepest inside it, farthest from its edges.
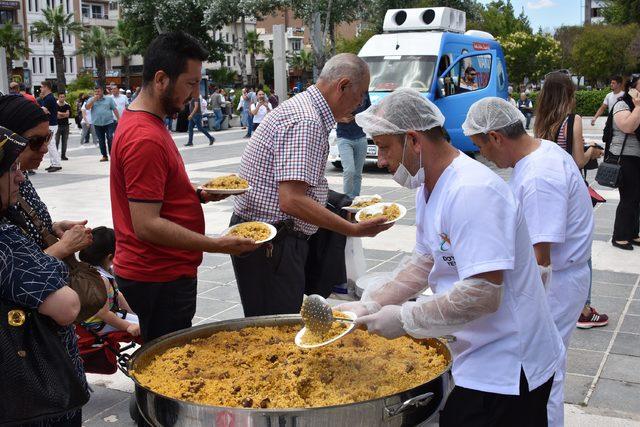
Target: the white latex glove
(447, 313)
(545, 274)
(407, 281)
(360, 308)
(387, 322)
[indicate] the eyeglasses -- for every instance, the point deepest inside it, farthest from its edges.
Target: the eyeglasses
(473, 74)
(35, 142)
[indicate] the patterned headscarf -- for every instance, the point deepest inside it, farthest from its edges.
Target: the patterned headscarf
(11, 145)
(19, 114)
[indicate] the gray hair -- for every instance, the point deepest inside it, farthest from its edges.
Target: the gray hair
(344, 65)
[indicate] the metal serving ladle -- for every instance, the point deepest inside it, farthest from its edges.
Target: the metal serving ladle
(317, 314)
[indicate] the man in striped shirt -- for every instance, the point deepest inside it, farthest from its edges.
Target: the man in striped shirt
(284, 163)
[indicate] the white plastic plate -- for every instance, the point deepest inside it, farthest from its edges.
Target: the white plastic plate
(350, 327)
(360, 199)
(231, 191)
(378, 207)
(272, 230)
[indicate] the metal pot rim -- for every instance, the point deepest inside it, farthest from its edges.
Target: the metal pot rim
(280, 317)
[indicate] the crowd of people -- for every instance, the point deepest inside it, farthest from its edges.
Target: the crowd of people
(509, 264)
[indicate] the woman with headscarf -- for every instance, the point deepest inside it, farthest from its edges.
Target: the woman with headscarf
(29, 277)
(22, 116)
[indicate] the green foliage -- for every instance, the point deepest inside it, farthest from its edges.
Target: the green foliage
(603, 50)
(621, 12)
(12, 40)
(500, 20)
(84, 82)
(587, 101)
(355, 44)
(222, 76)
(530, 55)
(99, 44)
(566, 35)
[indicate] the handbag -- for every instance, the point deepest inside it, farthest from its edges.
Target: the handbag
(83, 278)
(608, 173)
(39, 380)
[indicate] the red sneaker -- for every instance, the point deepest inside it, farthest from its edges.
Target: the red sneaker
(593, 319)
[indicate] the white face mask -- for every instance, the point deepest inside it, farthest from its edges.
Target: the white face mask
(404, 177)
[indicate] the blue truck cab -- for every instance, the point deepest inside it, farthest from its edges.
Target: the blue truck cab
(428, 49)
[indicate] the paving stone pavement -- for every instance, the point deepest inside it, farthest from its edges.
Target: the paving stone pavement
(603, 382)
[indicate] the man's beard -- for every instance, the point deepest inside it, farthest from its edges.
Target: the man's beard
(166, 100)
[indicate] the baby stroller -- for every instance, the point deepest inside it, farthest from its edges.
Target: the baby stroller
(104, 354)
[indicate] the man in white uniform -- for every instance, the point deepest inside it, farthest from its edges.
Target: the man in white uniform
(557, 207)
(473, 250)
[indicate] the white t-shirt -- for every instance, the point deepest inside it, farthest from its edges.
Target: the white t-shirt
(556, 204)
(471, 225)
(84, 108)
(121, 102)
(611, 99)
(261, 112)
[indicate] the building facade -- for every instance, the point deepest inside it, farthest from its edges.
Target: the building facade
(593, 11)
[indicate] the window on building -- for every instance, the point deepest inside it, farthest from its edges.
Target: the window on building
(88, 62)
(296, 45)
(40, 67)
(97, 11)
(52, 65)
(234, 61)
(113, 5)
(33, 64)
(30, 7)
(271, 44)
(226, 37)
(86, 11)
(228, 61)
(234, 37)
(36, 4)
(67, 8)
(48, 3)
(71, 61)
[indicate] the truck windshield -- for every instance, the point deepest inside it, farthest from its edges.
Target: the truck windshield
(392, 72)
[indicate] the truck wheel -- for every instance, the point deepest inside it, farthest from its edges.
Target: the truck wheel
(337, 165)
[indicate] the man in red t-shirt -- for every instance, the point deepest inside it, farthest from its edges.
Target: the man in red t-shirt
(157, 216)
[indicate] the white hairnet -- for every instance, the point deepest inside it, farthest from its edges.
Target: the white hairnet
(402, 110)
(490, 114)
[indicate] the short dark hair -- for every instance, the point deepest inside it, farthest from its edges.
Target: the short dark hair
(437, 133)
(469, 69)
(169, 52)
(104, 244)
(617, 79)
(512, 131)
(46, 84)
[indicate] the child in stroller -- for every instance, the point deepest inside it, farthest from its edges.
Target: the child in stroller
(101, 335)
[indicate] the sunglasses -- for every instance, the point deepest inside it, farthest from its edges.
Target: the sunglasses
(35, 142)
(565, 72)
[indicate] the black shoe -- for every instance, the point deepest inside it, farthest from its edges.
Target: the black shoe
(211, 141)
(54, 169)
(188, 145)
(247, 136)
(634, 242)
(64, 158)
(624, 246)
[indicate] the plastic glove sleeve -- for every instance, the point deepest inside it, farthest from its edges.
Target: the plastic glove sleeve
(407, 281)
(447, 313)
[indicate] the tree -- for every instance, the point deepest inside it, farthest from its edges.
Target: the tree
(230, 12)
(12, 40)
(126, 47)
(500, 20)
(254, 46)
(601, 51)
(302, 63)
(148, 18)
(566, 36)
(51, 27)
(621, 12)
(99, 44)
(530, 55)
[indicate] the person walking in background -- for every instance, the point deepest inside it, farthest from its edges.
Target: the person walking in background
(103, 110)
(248, 99)
(195, 120)
(525, 105)
(610, 99)
(78, 118)
(62, 134)
(626, 132)
(14, 88)
(23, 92)
(554, 113)
(260, 109)
(216, 103)
(120, 100)
(87, 124)
(352, 145)
(50, 106)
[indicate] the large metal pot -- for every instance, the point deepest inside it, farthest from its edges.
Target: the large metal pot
(409, 408)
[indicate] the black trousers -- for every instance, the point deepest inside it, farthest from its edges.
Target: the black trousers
(472, 408)
(162, 307)
(627, 223)
(62, 134)
(271, 280)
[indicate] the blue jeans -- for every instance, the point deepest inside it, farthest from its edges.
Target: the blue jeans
(244, 118)
(196, 121)
(249, 124)
(168, 121)
(218, 117)
(353, 153)
(105, 137)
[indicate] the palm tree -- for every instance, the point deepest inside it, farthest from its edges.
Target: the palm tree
(99, 44)
(254, 46)
(302, 62)
(126, 48)
(12, 40)
(51, 27)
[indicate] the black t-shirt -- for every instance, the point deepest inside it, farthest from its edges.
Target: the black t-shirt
(64, 109)
(50, 103)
